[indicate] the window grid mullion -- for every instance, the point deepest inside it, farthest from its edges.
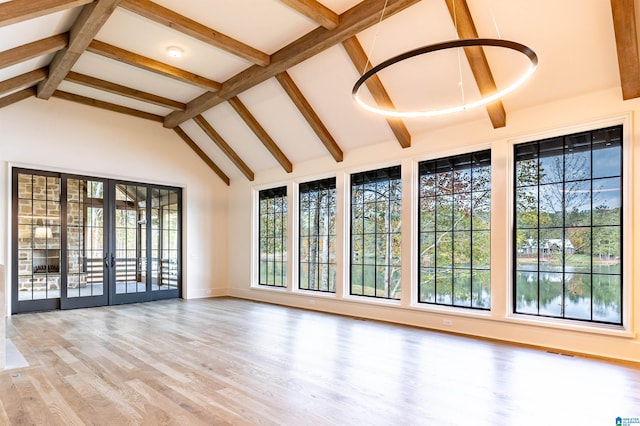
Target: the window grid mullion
(452, 267)
(436, 247)
(564, 228)
(538, 226)
(591, 222)
(317, 238)
(388, 242)
(375, 241)
(471, 236)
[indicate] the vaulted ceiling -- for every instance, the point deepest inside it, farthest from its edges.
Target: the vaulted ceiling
(267, 83)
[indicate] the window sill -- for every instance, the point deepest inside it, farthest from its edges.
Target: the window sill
(558, 324)
(570, 325)
(451, 310)
(314, 293)
(370, 300)
(268, 288)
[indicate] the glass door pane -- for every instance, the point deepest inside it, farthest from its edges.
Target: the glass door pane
(85, 254)
(37, 239)
(165, 241)
(129, 254)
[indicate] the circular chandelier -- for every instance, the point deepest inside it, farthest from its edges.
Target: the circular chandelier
(452, 44)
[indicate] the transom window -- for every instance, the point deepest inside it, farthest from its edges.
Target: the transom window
(454, 228)
(273, 237)
(568, 219)
(317, 268)
(375, 233)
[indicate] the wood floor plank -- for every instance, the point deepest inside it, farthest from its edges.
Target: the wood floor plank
(4, 417)
(152, 391)
(229, 361)
(33, 401)
(12, 403)
(96, 388)
(218, 413)
(60, 412)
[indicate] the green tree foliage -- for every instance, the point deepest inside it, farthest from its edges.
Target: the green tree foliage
(568, 227)
(376, 244)
(455, 236)
(317, 235)
(273, 237)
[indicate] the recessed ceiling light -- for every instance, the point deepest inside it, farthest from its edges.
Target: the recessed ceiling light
(174, 51)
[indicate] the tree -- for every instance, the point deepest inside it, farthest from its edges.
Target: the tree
(375, 229)
(273, 236)
(568, 205)
(317, 235)
(455, 206)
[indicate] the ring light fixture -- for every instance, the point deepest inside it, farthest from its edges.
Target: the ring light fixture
(452, 44)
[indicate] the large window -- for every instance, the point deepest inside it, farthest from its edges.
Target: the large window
(454, 226)
(375, 233)
(318, 235)
(273, 237)
(568, 219)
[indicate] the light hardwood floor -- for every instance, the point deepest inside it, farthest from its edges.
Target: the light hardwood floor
(229, 361)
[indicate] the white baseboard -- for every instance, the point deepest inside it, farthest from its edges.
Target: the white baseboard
(203, 293)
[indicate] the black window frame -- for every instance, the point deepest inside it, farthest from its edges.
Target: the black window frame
(325, 217)
(571, 145)
(388, 174)
(452, 180)
(279, 195)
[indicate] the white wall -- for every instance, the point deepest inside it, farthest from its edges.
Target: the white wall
(560, 118)
(64, 136)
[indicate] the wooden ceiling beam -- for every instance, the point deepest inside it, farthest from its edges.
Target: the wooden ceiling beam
(224, 146)
(315, 11)
(262, 134)
(33, 50)
(460, 13)
(16, 11)
(106, 105)
(625, 28)
(377, 90)
(310, 115)
(28, 79)
(17, 96)
(203, 156)
(127, 92)
(148, 64)
(175, 21)
(91, 19)
(353, 21)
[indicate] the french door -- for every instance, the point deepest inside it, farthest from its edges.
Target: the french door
(144, 256)
(82, 241)
(84, 245)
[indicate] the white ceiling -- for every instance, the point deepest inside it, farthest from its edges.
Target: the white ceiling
(573, 39)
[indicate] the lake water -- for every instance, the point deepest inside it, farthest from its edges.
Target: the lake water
(570, 295)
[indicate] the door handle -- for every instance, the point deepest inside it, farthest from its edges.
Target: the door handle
(109, 262)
